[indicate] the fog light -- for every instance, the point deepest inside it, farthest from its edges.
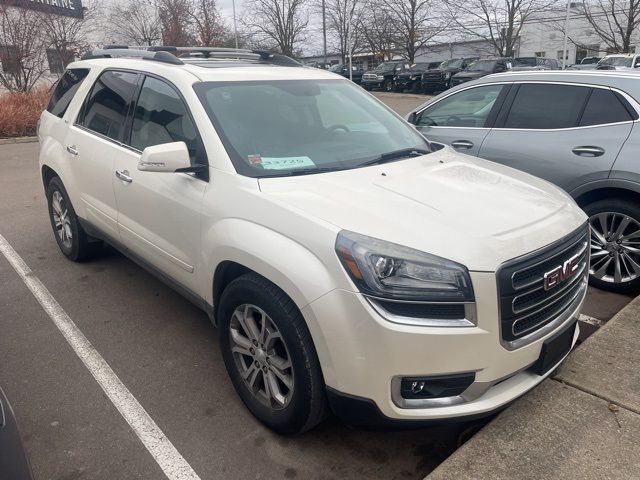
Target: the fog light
(435, 387)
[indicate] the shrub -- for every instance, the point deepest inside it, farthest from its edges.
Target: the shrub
(19, 112)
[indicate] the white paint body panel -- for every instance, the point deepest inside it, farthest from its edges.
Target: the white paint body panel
(472, 211)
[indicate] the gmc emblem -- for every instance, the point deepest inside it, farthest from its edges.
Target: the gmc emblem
(555, 277)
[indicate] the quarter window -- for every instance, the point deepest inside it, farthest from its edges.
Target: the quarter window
(546, 106)
(162, 117)
(106, 109)
(603, 107)
(468, 108)
(65, 90)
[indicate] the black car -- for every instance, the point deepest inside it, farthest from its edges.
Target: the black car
(481, 68)
(382, 76)
(411, 79)
(343, 69)
(13, 460)
(439, 79)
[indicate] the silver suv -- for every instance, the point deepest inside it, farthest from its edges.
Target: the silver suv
(578, 130)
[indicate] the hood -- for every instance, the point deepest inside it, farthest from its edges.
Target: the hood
(471, 75)
(410, 73)
(468, 210)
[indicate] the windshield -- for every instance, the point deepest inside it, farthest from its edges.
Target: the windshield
(289, 127)
(384, 66)
(336, 68)
(419, 66)
(481, 66)
(454, 63)
(525, 62)
(590, 60)
(616, 61)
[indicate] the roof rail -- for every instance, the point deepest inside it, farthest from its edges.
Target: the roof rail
(126, 52)
(173, 55)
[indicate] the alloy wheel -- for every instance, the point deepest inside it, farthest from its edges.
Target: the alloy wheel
(615, 247)
(60, 214)
(261, 356)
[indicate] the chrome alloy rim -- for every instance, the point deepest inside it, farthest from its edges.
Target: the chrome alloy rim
(60, 214)
(261, 356)
(615, 247)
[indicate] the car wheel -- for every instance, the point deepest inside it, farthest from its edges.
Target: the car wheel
(270, 356)
(73, 241)
(388, 86)
(615, 245)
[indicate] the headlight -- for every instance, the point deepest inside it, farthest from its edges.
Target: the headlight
(447, 75)
(387, 270)
(413, 77)
(380, 77)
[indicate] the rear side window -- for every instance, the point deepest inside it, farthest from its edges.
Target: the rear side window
(604, 107)
(105, 110)
(65, 90)
(162, 117)
(546, 106)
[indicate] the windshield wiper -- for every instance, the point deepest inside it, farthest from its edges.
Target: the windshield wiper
(395, 155)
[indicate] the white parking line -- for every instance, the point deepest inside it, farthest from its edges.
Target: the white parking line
(161, 449)
(593, 321)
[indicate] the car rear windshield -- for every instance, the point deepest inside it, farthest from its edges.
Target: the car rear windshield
(291, 127)
(616, 61)
(525, 62)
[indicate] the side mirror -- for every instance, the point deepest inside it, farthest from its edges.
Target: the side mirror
(413, 118)
(637, 63)
(166, 157)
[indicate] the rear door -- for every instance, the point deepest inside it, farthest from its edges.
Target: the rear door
(565, 133)
(94, 142)
(462, 119)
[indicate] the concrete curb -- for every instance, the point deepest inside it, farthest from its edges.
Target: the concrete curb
(582, 423)
(10, 140)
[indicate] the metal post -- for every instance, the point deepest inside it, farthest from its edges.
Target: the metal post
(350, 47)
(235, 26)
(324, 34)
(566, 27)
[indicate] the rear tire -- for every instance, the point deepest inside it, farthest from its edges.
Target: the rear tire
(615, 245)
(73, 241)
(269, 355)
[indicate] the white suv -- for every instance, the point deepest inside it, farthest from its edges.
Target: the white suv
(348, 262)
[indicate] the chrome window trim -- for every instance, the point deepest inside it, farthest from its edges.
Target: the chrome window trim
(470, 315)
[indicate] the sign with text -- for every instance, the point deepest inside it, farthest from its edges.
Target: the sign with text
(68, 8)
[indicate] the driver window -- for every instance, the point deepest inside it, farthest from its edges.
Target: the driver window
(468, 108)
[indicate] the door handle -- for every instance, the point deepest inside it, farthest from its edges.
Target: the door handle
(72, 150)
(124, 176)
(462, 144)
(588, 151)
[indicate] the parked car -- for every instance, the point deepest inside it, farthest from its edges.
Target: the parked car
(623, 62)
(411, 78)
(343, 69)
(347, 261)
(587, 63)
(14, 464)
(481, 68)
(439, 79)
(578, 130)
(535, 63)
(381, 77)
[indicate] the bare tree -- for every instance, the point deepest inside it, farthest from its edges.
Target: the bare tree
(22, 54)
(280, 23)
(379, 35)
(415, 23)
(136, 22)
(614, 21)
(209, 28)
(176, 22)
(343, 18)
(498, 22)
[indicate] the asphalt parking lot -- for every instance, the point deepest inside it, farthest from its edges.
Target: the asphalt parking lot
(165, 352)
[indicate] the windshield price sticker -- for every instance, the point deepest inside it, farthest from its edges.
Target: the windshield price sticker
(286, 163)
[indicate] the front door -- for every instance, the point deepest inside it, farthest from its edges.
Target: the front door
(159, 213)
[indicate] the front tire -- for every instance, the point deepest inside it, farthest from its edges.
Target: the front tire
(269, 355)
(615, 245)
(73, 241)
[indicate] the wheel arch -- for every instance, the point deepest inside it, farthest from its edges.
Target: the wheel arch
(608, 189)
(47, 174)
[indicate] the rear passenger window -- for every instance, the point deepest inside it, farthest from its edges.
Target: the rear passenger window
(603, 107)
(545, 106)
(65, 90)
(106, 107)
(162, 117)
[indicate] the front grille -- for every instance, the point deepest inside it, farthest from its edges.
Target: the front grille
(525, 305)
(433, 77)
(370, 76)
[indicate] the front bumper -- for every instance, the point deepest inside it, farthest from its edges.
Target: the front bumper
(362, 356)
(372, 83)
